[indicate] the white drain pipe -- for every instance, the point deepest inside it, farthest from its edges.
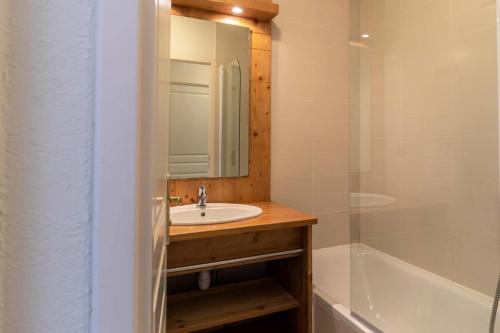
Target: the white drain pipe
(204, 280)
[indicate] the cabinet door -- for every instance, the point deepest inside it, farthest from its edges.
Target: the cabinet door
(160, 178)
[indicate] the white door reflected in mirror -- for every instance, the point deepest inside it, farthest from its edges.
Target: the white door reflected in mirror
(209, 99)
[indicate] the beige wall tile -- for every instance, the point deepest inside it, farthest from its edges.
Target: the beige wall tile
(292, 79)
(331, 184)
(334, 230)
(293, 186)
(291, 167)
(331, 147)
(292, 108)
(332, 14)
(331, 166)
(310, 113)
(292, 147)
(336, 202)
(284, 127)
(296, 10)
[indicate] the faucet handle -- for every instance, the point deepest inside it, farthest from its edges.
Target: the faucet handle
(175, 200)
(202, 190)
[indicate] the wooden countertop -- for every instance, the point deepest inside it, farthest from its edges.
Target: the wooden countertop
(274, 216)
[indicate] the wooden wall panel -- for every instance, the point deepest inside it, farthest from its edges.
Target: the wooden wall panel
(261, 41)
(255, 26)
(257, 186)
(206, 250)
(260, 65)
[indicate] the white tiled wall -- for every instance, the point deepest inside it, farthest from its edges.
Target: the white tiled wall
(310, 114)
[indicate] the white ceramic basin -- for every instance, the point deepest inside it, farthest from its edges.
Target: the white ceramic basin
(214, 213)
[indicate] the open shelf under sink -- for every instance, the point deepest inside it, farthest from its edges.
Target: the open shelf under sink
(199, 310)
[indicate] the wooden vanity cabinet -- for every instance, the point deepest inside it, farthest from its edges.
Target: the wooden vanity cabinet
(280, 301)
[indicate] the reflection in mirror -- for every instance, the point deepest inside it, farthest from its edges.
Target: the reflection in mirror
(209, 99)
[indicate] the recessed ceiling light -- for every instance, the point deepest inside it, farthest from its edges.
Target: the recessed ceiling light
(237, 10)
(365, 36)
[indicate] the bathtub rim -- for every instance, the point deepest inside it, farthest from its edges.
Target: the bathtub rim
(339, 311)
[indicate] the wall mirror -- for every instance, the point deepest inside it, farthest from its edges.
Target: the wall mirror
(209, 99)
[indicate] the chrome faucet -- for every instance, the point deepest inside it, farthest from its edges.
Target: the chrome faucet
(202, 197)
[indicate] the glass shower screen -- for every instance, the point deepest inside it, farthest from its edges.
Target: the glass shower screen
(425, 224)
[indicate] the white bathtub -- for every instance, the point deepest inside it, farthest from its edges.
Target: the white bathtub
(393, 295)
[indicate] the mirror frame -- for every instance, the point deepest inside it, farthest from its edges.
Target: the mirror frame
(256, 187)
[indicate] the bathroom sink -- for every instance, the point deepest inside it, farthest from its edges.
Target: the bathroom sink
(214, 213)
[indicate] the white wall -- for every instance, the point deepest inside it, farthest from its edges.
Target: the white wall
(192, 40)
(49, 124)
(121, 233)
(56, 72)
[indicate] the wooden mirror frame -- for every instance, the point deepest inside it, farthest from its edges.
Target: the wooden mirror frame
(256, 187)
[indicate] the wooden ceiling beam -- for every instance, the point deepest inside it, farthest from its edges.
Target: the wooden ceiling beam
(261, 10)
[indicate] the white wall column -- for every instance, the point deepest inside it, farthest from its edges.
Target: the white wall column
(116, 166)
(75, 169)
(47, 114)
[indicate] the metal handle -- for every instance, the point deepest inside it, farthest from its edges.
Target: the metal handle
(202, 190)
(175, 200)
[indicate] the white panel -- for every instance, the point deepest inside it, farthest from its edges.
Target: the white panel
(161, 139)
(188, 170)
(189, 124)
(188, 159)
(189, 72)
(179, 88)
(192, 166)
(189, 116)
(192, 39)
